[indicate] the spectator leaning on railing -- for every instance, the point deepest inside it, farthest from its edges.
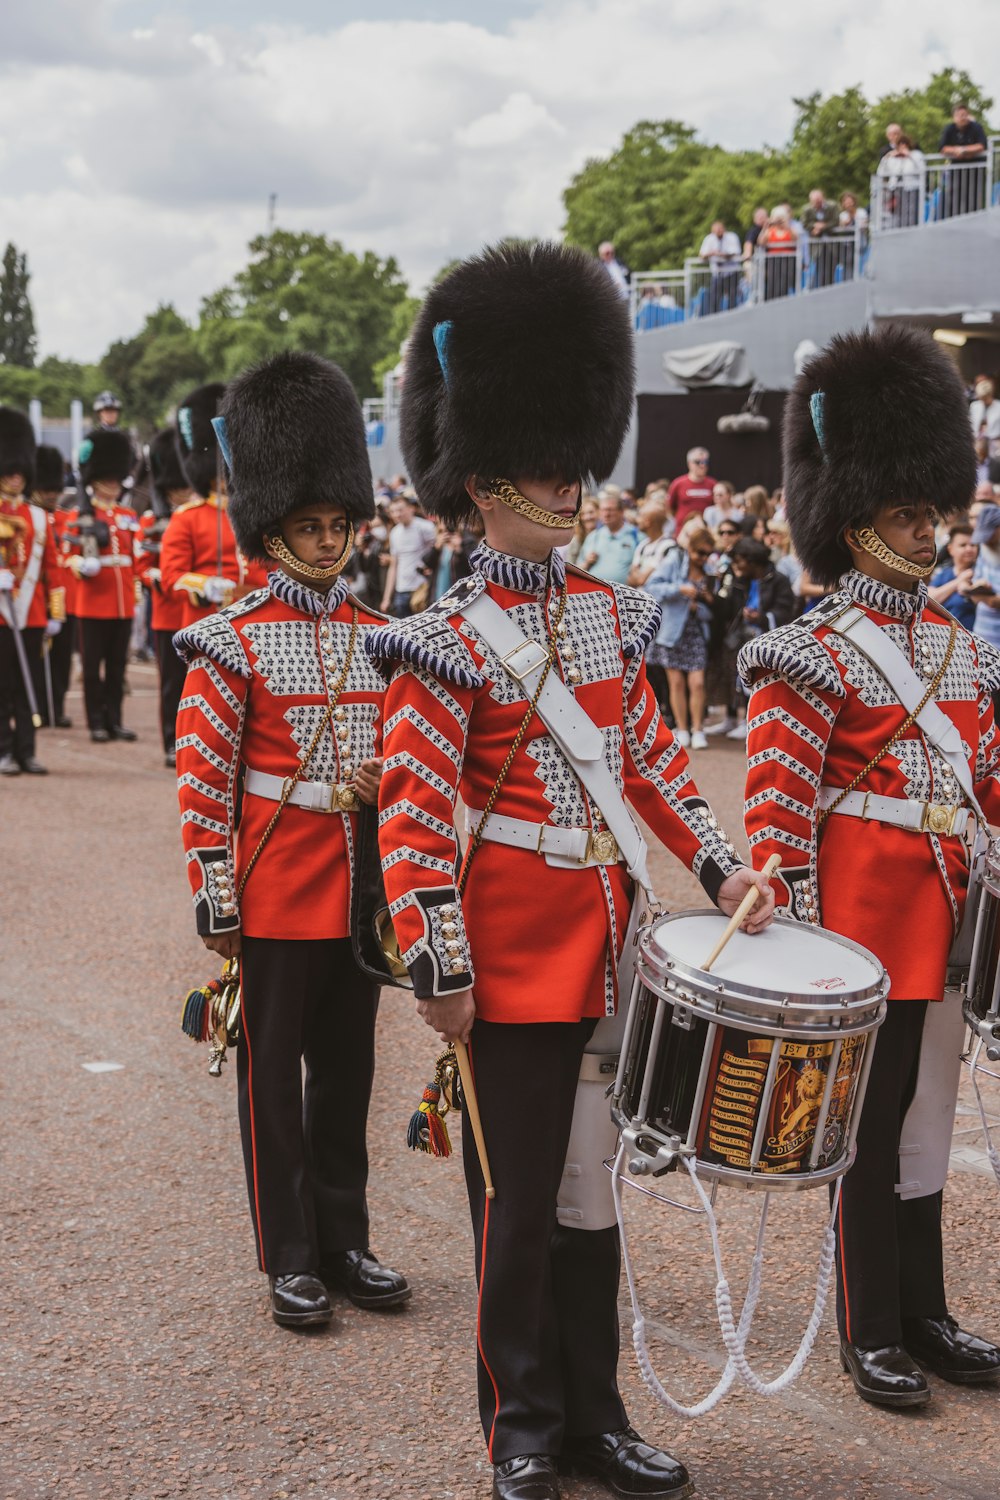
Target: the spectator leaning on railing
(721, 250)
(900, 172)
(618, 272)
(963, 142)
(819, 217)
(754, 232)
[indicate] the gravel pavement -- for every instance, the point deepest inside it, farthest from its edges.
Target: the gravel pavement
(138, 1358)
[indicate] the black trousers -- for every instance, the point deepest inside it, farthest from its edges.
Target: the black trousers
(172, 673)
(548, 1296)
(61, 662)
(17, 733)
(305, 1149)
(104, 644)
(889, 1260)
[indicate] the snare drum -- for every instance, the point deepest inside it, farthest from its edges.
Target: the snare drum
(981, 1005)
(757, 1069)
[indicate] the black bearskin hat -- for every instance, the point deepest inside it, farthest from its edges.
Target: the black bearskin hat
(294, 434)
(17, 445)
(106, 453)
(875, 417)
(520, 364)
(50, 470)
(198, 450)
(165, 472)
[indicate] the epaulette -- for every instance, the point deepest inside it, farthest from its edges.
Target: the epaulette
(793, 652)
(428, 641)
(639, 616)
(179, 510)
(989, 665)
(216, 637)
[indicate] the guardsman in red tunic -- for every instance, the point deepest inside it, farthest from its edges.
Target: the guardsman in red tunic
(169, 489)
(280, 691)
(99, 549)
(519, 382)
(868, 815)
(31, 593)
(199, 558)
(50, 472)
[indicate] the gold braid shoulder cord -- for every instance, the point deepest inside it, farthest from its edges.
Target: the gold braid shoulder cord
(910, 719)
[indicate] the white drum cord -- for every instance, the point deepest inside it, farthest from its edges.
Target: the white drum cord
(991, 1150)
(734, 1335)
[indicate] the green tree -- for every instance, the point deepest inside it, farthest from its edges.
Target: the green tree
(17, 321)
(304, 291)
(156, 368)
(55, 382)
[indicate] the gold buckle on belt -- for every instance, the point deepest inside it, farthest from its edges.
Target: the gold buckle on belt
(602, 848)
(939, 817)
(342, 798)
(521, 674)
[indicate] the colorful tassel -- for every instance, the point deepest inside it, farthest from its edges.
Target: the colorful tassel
(427, 1130)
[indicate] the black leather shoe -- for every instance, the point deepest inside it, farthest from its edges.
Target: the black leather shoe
(941, 1346)
(34, 767)
(100, 736)
(531, 1477)
(170, 760)
(366, 1282)
(887, 1377)
(62, 722)
(9, 766)
(299, 1300)
(626, 1465)
(118, 733)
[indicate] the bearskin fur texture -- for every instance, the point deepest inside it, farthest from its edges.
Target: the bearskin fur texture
(196, 446)
(106, 453)
(17, 445)
(165, 472)
(895, 426)
(296, 436)
(538, 349)
(50, 470)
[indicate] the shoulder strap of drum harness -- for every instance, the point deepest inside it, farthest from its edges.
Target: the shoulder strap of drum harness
(573, 730)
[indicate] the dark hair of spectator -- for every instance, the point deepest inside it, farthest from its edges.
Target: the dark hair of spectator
(960, 528)
(904, 140)
(755, 554)
(748, 524)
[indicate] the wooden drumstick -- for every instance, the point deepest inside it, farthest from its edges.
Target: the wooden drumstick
(472, 1105)
(747, 904)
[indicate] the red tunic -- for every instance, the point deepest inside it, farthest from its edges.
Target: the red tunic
(538, 941)
(198, 538)
(259, 677)
(818, 713)
(166, 610)
(110, 593)
(31, 557)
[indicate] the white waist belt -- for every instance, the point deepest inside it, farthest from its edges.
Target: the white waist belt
(565, 847)
(902, 812)
(314, 796)
(116, 560)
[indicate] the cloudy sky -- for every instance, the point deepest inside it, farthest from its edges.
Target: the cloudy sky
(140, 139)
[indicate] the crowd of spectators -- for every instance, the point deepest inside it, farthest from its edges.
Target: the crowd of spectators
(823, 240)
(719, 561)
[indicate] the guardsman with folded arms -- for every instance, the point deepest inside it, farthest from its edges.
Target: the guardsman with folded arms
(279, 688)
(199, 558)
(518, 386)
(868, 812)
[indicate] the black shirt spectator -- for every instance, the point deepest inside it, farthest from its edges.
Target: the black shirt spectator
(969, 134)
(963, 142)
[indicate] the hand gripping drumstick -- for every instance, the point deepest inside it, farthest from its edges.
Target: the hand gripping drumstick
(472, 1105)
(747, 904)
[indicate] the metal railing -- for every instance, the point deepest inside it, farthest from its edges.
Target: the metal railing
(910, 191)
(373, 412)
(659, 298)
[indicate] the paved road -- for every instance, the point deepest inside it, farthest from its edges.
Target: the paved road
(138, 1358)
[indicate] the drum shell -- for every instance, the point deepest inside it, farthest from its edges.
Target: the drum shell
(981, 1004)
(762, 1091)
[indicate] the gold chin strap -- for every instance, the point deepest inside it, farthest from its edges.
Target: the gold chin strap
(284, 553)
(869, 541)
(504, 491)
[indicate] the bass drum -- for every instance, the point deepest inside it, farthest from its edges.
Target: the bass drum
(981, 1005)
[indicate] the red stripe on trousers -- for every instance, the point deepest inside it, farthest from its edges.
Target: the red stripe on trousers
(253, 1138)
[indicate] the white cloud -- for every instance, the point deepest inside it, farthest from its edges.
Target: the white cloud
(142, 161)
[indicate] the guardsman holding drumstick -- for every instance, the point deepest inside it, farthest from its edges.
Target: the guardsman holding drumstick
(865, 804)
(519, 384)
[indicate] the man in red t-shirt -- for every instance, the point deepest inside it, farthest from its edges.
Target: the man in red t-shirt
(691, 494)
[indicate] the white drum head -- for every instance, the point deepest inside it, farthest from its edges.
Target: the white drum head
(788, 958)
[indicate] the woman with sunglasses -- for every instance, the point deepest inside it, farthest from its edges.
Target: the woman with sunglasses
(683, 586)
